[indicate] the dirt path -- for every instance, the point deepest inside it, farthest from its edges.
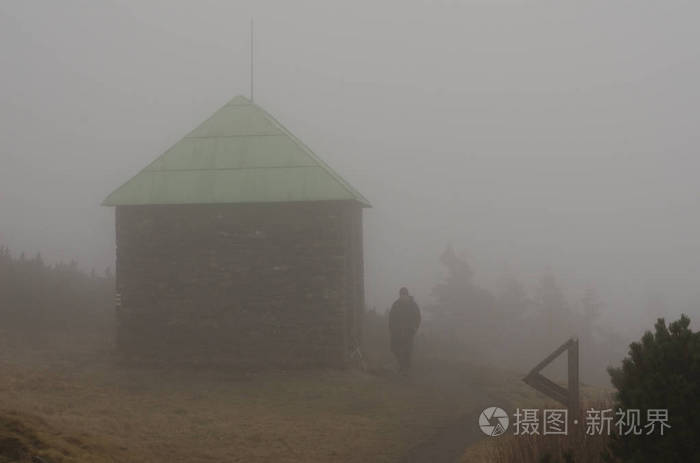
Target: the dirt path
(449, 443)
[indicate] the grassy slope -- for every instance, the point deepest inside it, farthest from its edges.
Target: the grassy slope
(71, 400)
(89, 404)
(512, 394)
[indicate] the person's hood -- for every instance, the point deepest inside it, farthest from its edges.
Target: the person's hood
(405, 297)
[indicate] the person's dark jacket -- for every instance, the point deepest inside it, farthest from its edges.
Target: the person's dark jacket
(404, 317)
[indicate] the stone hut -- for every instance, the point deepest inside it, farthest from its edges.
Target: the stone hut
(239, 245)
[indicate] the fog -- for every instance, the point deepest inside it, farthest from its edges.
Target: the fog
(533, 137)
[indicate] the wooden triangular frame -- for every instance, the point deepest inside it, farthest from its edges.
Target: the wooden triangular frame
(566, 396)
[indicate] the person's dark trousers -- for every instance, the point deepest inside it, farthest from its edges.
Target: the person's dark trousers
(402, 347)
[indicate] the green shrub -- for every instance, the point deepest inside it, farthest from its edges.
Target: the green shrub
(661, 372)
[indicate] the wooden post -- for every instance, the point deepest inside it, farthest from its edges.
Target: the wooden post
(573, 399)
(568, 397)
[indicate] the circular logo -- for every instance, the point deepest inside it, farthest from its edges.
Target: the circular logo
(493, 421)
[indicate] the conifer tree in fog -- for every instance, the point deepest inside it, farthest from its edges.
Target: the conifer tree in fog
(463, 309)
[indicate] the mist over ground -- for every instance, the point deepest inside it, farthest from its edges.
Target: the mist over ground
(533, 137)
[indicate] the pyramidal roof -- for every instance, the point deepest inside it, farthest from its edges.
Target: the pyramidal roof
(241, 154)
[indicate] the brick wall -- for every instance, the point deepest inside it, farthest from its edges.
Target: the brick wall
(243, 284)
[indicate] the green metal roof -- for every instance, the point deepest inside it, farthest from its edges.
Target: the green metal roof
(241, 154)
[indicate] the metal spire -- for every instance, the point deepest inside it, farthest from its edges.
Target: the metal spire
(252, 61)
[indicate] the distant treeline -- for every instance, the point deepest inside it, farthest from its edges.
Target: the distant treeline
(508, 326)
(37, 296)
(513, 327)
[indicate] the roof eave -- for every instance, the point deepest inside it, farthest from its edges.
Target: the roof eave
(363, 203)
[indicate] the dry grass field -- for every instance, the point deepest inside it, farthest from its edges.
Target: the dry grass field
(532, 449)
(70, 400)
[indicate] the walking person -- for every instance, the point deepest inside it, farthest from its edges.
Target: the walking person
(404, 320)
